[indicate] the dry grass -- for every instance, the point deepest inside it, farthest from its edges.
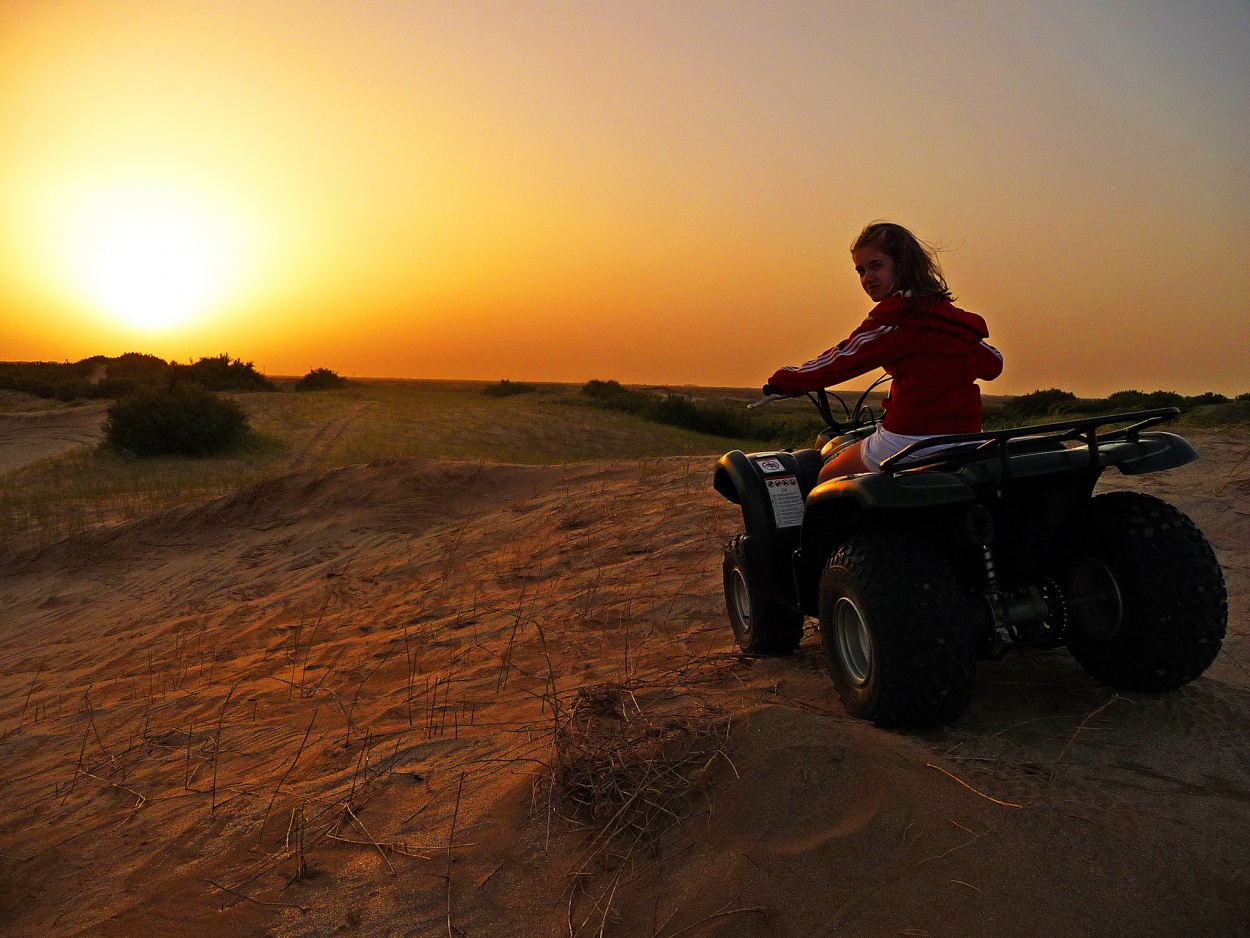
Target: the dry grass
(626, 773)
(365, 422)
(628, 763)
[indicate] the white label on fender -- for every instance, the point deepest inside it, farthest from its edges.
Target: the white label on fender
(787, 501)
(770, 465)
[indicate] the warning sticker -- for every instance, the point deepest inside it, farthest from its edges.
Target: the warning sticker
(787, 501)
(768, 464)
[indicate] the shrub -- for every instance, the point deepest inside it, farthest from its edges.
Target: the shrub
(1205, 399)
(130, 373)
(50, 380)
(223, 373)
(1054, 403)
(1046, 403)
(185, 420)
(1141, 400)
(716, 419)
(320, 379)
(506, 388)
(610, 394)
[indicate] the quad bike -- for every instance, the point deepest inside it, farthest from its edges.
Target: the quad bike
(964, 547)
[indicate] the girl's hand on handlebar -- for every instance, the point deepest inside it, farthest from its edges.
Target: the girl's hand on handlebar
(770, 394)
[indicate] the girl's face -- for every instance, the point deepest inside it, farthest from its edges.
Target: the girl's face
(876, 272)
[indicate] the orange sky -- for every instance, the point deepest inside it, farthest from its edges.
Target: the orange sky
(658, 192)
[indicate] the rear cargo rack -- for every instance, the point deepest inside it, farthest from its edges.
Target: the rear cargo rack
(994, 443)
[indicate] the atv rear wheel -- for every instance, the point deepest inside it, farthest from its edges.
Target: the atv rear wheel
(896, 632)
(1145, 597)
(761, 625)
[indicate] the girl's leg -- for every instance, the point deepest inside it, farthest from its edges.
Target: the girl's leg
(844, 463)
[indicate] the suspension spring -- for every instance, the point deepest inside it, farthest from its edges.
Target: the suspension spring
(991, 570)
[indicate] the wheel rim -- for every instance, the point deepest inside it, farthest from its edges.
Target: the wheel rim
(742, 601)
(1093, 599)
(852, 642)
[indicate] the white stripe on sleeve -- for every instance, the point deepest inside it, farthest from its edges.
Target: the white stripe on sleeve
(843, 350)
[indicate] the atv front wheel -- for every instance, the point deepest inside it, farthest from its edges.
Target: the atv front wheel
(760, 625)
(896, 632)
(1145, 597)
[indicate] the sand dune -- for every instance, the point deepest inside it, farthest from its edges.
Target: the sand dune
(327, 704)
(29, 436)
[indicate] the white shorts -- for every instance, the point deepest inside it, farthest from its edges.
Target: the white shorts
(883, 444)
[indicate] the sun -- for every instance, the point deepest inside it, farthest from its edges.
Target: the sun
(153, 259)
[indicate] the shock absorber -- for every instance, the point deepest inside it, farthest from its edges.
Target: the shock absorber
(1014, 615)
(979, 529)
(991, 571)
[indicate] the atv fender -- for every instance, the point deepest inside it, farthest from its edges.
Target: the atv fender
(1150, 452)
(910, 490)
(770, 542)
(835, 508)
(743, 480)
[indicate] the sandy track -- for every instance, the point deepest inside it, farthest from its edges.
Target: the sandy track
(27, 438)
(356, 669)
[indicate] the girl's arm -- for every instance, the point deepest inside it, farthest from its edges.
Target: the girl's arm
(989, 361)
(862, 351)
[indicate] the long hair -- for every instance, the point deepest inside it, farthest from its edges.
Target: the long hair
(916, 266)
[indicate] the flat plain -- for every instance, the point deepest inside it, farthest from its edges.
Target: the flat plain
(428, 662)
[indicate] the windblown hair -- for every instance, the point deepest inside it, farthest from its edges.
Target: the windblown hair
(916, 266)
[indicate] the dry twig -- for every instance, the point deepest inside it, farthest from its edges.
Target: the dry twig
(1005, 804)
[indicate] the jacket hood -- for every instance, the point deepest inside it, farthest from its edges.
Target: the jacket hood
(899, 310)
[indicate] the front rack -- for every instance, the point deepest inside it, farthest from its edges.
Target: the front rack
(1043, 436)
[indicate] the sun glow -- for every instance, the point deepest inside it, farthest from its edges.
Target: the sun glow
(152, 259)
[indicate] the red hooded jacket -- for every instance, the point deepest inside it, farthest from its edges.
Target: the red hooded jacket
(935, 352)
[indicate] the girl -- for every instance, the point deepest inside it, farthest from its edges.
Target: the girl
(934, 351)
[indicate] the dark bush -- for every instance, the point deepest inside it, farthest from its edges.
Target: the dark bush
(129, 374)
(223, 373)
(1142, 400)
(610, 394)
(52, 380)
(702, 417)
(320, 379)
(1057, 404)
(185, 420)
(1205, 399)
(506, 388)
(1048, 403)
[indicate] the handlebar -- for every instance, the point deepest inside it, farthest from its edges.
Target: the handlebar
(820, 398)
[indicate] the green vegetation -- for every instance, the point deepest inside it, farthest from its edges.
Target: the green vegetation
(133, 373)
(366, 421)
(714, 418)
(1053, 404)
(185, 420)
(222, 373)
(1036, 404)
(506, 388)
(321, 379)
(95, 377)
